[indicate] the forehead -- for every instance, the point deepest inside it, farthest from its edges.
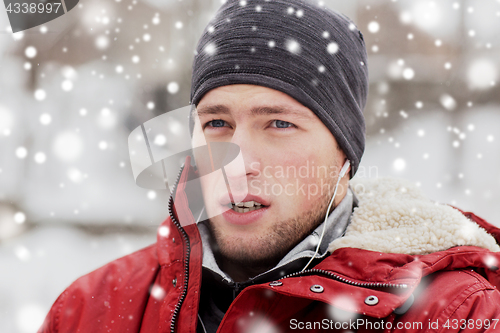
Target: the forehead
(250, 100)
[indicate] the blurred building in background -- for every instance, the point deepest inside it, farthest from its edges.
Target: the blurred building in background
(72, 90)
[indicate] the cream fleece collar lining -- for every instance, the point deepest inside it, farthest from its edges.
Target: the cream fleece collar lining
(393, 216)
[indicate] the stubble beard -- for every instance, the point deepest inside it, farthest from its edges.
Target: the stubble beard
(264, 251)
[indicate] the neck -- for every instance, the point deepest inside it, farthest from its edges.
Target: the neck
(241, 273)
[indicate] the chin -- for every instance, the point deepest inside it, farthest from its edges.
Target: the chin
(246, 248)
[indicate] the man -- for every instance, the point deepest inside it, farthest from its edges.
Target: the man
(287, 243)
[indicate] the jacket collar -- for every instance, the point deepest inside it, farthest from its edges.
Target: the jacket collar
(395, 217)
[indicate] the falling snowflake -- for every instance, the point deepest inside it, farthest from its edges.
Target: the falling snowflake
(158, 292)
(448, 102)
(40, 158)
(21, 152)
(107, 119)
(326, 34)
(332, 48)
(210, 49)
(30, 52)
(75, 175)
(103, 145)
(399, 164)
(40, 94)
(22, 253)
(19, 217)
(293, 46)
(341, 315)
(481, 73)
(373, 27)
(173, 87)
(160, 140)
(491, 262)
(102, 42)
(256, 323)
(163, 231)
(408, 73)
(67, 85)
(271, 43)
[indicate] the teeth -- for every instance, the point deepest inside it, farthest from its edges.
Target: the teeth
(247, 204)
(241, 209)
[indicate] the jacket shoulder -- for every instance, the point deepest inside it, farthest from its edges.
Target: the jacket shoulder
(119, 289)
(446, 299)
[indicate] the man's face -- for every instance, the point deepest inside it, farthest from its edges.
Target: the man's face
(291, 165)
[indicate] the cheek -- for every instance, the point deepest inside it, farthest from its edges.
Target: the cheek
(305, 180)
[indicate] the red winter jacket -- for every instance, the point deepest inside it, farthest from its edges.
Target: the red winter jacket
(157, 289)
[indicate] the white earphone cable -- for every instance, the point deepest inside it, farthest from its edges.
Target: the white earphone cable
(341, 175)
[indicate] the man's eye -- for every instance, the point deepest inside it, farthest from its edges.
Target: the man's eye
(216, 123)
(282, 124)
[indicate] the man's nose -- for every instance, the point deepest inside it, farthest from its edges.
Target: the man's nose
(245, 163)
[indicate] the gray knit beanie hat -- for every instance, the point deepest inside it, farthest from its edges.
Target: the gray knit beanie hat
(299, 47)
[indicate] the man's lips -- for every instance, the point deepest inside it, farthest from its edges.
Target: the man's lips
(226, 201)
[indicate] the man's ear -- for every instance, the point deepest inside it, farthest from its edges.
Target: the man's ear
(345, 169)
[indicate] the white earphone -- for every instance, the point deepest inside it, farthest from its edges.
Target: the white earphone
(342, 173)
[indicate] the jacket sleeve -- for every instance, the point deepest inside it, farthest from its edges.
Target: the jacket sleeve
(480, 312)
(453, 301)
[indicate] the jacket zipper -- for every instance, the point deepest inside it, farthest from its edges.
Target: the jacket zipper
(236, 289)
(188, 251)
(344, 280)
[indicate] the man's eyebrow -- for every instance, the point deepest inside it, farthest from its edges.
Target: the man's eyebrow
(261, 110)
(212, 109)
(267, 110)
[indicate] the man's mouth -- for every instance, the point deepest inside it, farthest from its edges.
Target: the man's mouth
(246, 206)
